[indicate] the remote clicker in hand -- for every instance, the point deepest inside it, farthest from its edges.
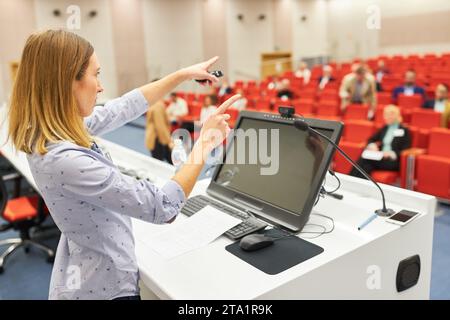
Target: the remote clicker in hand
(216, 73)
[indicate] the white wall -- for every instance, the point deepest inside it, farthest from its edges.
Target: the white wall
(349, 37)
(248, 38)
(97, 30)
(173, 36)
(310, 37)
(16, 24)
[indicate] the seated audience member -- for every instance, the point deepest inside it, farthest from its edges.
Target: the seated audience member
(391, 140)
(303, 72)
(409, 88)
(157, 132)
(284, 91)
(274, 83)
(224, 88)
(240, 104)
(358, 87)
(440, 103)
(177, 108)
(382, 70)
(209, 106)
(327, 77)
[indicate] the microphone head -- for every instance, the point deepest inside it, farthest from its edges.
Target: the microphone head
(301, 125)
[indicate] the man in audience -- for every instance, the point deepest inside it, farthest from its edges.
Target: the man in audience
(382, 70)
(440, 103)
(177, 108)
(409, 88)
(303, 72)
(327, 77)
(224, 88)
(391, 140)
(285, 92)
(358, 87)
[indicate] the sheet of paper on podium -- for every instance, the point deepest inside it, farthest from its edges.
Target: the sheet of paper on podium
(192, 233)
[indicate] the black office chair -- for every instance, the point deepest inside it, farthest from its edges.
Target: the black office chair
(21, 214)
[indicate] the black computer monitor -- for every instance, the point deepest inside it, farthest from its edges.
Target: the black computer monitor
(280, 193)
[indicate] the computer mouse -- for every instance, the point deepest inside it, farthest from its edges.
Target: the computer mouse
(255, 241)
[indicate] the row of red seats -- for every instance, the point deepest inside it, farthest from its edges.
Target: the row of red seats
(426, 143)
(430, 167)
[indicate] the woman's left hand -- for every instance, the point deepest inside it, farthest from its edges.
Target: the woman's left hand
(200, 71)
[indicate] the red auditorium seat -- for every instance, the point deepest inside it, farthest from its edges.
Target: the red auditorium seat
(329, 94)
(353, 150)
(356, 112)
(410, 102)
(425, 119)
(262, 104)
(420, 137)
(328, 108)
(303, 106)
(358, 130)
(433, 168)
(195, 108)
(233, 112)
(307, 94)
(384, 98)
(385, 176)
(379, 116)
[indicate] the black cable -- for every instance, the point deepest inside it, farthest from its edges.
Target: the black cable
(338, 180)
(318, 233)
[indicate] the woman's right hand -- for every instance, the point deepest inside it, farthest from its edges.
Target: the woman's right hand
(372, 147)
(215, 129)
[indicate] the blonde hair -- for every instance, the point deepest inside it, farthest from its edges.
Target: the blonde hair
(396, 110)
(43, 108)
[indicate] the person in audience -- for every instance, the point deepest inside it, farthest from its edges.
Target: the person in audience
(382, 70)
(241, 104)
(157, 132)
(440, 103)
(284, 91)
(358, 87)
(177, 108)
(391, 140)
(327, 77)
(409, 88)
(303, 72)
(274, 83)
(224, 88)
(209, 107)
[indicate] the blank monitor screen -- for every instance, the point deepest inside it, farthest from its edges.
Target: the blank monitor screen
(288, 184)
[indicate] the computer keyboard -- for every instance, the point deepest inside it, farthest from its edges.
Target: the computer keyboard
(248, 225)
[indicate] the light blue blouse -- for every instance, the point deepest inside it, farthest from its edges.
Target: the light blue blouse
(389, 136)
(92, 204)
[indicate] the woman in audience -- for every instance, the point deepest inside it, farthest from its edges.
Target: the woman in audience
(440, 103)
(53, 119)
(157, 132)
(391, 140)
(209, 107)
(241, 104)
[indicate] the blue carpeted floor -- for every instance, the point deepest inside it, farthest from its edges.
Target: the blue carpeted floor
(27, 276)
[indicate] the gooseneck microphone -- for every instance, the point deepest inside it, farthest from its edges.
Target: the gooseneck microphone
(303, 126)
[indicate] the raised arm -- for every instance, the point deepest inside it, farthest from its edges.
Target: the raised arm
(158, 89)
(130, 106)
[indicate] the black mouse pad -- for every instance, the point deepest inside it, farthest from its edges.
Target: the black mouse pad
(280, 256)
